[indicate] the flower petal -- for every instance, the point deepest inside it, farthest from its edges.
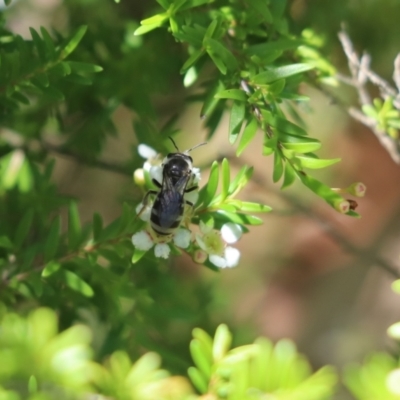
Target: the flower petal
(218, 261)
(146, 151)
(192, 196)
(145, 212)
(156, 172)
(142, 241)
(232, 256)
(182, 238)
(231, 232)
(162, 250)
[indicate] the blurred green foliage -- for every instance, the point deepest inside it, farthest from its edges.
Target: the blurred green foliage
(59, 91)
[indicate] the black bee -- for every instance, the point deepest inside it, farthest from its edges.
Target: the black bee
(169, 204)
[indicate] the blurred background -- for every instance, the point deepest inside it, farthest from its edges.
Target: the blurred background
(308, 273)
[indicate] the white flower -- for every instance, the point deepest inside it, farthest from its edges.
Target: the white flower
(156, 173)
(144, 211)
(146, 152)
(145, 240)
(142, 241)
(214, 243)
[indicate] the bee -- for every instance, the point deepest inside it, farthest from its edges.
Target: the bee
(169, 204)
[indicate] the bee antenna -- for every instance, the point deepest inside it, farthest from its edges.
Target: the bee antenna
(195, 147)
(172, 140)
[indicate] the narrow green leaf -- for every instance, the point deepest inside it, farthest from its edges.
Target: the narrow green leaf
(198, 380)
(192, 60)
(163, 3)
(205, 339)
(81, 67)
(49, 44)
(137, 255)
(300, 144)
(238, 218)
(248, 135)
(97, 226)
(202, 362)
(23, 228)
(315, 162)
(210, 103)
(235, 94)
(240, 180)
(76, 283)
(212, 184)
(261, 7)
(5, 242)
(74, 226)
(278, 166)
(53, 93)
(284, 125)
(247, 206)
(39, 44)
(226, 178)
(74, 41)
(217, 61)
(222, 342)
(237, 115)
(50, 268)
(289, 175)
(210, 30)
(158, 20)
(52, 240)
(276, 73)
(216, 48)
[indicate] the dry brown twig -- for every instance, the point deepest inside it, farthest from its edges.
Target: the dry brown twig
(361, 74)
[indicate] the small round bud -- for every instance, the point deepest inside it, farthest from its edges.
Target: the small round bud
(343, 206)
(357, 189)
(200, 256)
(393, 381)
(138, 177)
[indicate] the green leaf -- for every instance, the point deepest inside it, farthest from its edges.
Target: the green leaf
(53, 238)
(74, 41)
(7, 2)
(23, 228)
(238, 218)
(76, 283)
(248, 135)
(222, 342)
(157, 19)
(50, 268)
(81, 67)
(144, 29)
(283, 124)
(198, 380)
(261, 7)
(74, 226)
(210, 30)
(220, 51)
(97, 226)
(211, 188)
(202, 362)
(236, 119)
(278, 166)
(137, 255)
(225, 179)
(218, 62)
(276, 73)
(39, 44)
(289, 175)
(49, 45)
(301, 144)
(240, 180)
(247, 206)
(211, 102)
(315, 162)
(5, 242)
(192, 60)
(235, 94)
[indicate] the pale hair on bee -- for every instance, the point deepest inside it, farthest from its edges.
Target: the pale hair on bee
(175, 178)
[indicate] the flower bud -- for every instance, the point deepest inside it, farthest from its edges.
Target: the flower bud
(357, 189)
(200, 256)
(138, 177)
(343, 206)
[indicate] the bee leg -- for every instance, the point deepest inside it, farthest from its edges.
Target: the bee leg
(191, 189)
(145, 201)
(158, 184)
